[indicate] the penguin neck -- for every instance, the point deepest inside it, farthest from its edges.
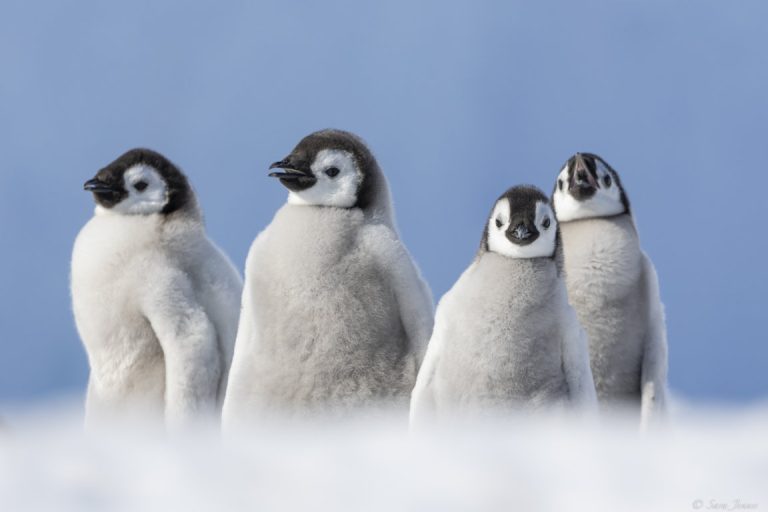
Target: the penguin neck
(379, 212)
(505, 279)
(624, 219)
(145, 228)
(523, 265)
(377, 200)
(189, 211)
(317, 222)
(602, 246)
(308, 238)
(616, 227)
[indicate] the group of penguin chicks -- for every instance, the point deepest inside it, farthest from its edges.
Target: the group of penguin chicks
(334, 315)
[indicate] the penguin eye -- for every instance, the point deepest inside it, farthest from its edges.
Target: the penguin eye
(498, 222)
(140, 185)
(560, 184)
(332, 172)
(546, 223)
(607, 180)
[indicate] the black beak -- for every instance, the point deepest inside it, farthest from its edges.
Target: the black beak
(521, 234)
(282, 164)
(293, 177)
(98, 187)
(582, 178)
(291, 174)
(289, 171)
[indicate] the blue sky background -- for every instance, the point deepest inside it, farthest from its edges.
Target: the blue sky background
(459, 100)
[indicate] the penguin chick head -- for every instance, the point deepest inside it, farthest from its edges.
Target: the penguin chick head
(588, 187)
(522, 225)
(330, 168)
(140, 182)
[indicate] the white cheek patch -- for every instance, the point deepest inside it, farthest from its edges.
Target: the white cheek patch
(497, 238)
(339, 191)
(542, 247)
(604, 203)
(151, 199)
(545, 244)
(602, 170)
(562, 179)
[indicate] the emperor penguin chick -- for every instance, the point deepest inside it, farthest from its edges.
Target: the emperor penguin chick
(155, 301)
(612, 284)
(335, 313)
(505, 337)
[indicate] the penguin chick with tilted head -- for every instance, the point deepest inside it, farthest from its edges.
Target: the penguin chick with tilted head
(505, 337)
(155, 301)
(612, 284)
(335, 313)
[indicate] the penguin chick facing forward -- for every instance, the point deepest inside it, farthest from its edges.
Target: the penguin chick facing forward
(155, 301)
(505, 336)
(335, 313)
(612, 284)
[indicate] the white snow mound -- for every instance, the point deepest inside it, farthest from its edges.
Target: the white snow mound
(702, 460)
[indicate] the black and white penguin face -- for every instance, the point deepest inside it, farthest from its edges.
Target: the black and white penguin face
(335, 180)
(140, 182)
(522, 225)
(328, 168)
(588, 187)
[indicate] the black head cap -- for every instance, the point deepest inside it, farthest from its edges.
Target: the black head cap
(299, 176)
(522, 229)
(108, 186)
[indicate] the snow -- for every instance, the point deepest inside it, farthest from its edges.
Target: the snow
(703, 459)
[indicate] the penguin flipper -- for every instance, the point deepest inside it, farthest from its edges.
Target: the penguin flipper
(423, 405)
(224, 292)
(414, 298)
(235, 406)
(189, 343)
(653, 378)
(578, 373)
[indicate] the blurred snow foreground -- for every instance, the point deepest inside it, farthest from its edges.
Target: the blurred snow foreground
(700, 460)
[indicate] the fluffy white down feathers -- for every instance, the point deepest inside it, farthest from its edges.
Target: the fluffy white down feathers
(505, 337)
(613, 287)
(335, 314)
(155, 303)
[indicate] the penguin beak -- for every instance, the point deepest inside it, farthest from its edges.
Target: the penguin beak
(582, 178)
(289, 171)
(97, 186)
(292, 178)
(521, 234)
